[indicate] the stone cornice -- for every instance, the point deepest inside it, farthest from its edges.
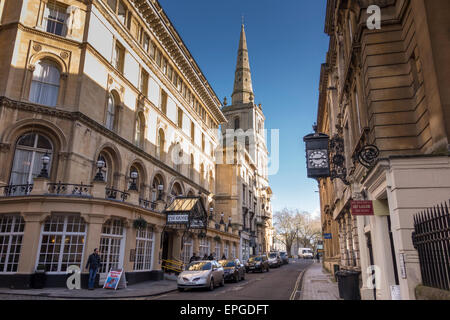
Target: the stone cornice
(78, 116)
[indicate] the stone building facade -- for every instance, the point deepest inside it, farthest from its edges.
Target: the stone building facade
(108, 88)
(243, 163)
(388, 88)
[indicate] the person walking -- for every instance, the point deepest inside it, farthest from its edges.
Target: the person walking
(318, 257)
(211, 257)
(93, 264)
(205, 257)
(224, 257)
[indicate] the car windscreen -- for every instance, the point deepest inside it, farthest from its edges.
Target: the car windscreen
(252, 259)
(272, 255)
(199, 266)
(307, 251)
(283, 254)
(227, 264)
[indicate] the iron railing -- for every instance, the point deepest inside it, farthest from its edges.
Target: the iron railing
(431, 238)
(69, 189)
(114, 194)
(16, 189)
(147, 204)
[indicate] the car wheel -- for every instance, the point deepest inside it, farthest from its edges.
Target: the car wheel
(222, 283)
(211, 284)
(181, 289)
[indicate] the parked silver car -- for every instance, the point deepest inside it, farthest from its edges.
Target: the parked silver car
(274, 260)
(201, 274)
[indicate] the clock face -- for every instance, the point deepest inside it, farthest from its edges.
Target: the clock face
(317, 159)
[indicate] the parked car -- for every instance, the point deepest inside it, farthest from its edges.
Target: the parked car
(284, 257)
(257, 263)
(233, 270)
(274, 260)
(305, 253)
(201, 274)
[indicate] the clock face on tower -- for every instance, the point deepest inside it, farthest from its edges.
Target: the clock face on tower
(318, 158)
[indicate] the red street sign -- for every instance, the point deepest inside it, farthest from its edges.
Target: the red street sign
(361, 208)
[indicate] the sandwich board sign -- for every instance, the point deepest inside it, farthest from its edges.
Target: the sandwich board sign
(115, 279)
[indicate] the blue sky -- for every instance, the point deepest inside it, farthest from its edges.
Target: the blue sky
(287, 45)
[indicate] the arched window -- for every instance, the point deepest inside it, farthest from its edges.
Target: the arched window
(27, 163)
(45, 83)
(139, 130)
(160, 144)
(130, 177)
(176, 190)
(111, 113)
(106, 170)
(236, 123)
(156, 193)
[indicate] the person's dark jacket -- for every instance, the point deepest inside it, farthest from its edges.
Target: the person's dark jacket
(211, 257)
(193, 258)
(93, 261)
(205, 257)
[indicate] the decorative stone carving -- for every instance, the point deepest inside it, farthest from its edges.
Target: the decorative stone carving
(64, 55)
(37, 47)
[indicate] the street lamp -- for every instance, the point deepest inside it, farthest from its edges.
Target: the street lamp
(45, 161)
(99, 175)
(211, 216)
(133, 176)
(160, 191)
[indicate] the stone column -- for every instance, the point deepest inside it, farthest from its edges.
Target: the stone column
(30, 241)
(342, 237)
(356, 242)
(350, 256)
(40, 186)
(130, 243)
(94, 230)
(99, 189)
(157, 248)
(196, 245)
(176, 245)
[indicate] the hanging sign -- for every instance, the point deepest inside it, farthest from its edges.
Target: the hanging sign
(361, 208)
(115, 279)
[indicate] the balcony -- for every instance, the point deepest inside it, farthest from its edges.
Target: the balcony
(97, 190)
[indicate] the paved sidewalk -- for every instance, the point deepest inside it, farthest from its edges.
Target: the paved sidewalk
(143, 289)
(318, 284)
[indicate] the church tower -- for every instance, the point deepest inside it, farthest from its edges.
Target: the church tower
(244, 114)
(243, 193)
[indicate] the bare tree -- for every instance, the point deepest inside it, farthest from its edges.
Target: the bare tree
(294, 226)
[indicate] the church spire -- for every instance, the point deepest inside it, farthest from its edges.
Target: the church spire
(243, 90)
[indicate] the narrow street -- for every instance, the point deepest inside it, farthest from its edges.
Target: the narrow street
(277, 284)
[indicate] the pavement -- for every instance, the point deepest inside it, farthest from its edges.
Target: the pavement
(318, 284)
(139, 290)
